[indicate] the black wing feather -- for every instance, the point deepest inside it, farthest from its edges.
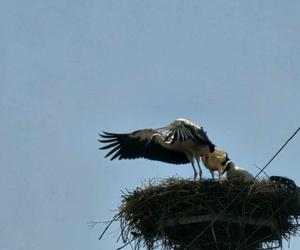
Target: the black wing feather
(112, 151)
(106, 141)
(200, 136)
(184, 132)
(110, 145)
(140, 145)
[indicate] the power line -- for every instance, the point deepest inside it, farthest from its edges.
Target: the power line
(291, 137)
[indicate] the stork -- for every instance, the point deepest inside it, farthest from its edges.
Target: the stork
(234, 172)
(180, 142)
(213, 162)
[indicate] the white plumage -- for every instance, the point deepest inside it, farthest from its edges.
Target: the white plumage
(234, 172)
(180, 142)
(213, 162)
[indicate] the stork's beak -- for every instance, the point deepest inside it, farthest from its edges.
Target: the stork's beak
(223, 163)
(224, 170)
(226, 159)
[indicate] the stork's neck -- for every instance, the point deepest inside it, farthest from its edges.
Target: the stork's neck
(230, 165)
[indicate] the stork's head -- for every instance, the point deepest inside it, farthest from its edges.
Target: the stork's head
(211, 147)
(226, 163)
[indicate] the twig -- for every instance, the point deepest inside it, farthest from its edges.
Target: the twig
(116, 217)
(127, 243)
(92, 223)
(214, 236)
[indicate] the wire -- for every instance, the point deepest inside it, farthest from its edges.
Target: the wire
(260, 169)
(231, 202)
(291, 137)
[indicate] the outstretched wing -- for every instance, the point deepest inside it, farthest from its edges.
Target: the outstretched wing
(139, 144)
(183, 130)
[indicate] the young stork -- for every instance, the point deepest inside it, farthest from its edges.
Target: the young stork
(213, 162)
(180, 142)
(235, 173)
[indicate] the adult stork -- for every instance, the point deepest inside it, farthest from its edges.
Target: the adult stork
(180, 142)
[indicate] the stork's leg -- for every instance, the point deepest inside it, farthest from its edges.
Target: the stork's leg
(212, 174)
(200, 170)
(195, 172)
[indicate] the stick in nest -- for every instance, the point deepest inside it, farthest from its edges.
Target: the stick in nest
(116, 217)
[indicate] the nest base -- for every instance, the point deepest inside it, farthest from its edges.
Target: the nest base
(207, 214)
(197, 232)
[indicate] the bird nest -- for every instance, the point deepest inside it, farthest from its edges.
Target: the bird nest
(207, 214)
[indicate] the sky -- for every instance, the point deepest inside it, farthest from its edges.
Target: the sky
(70, 69)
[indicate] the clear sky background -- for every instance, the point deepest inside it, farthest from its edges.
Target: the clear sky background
(70, 69)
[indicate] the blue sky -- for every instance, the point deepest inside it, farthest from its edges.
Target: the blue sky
(70, 69)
